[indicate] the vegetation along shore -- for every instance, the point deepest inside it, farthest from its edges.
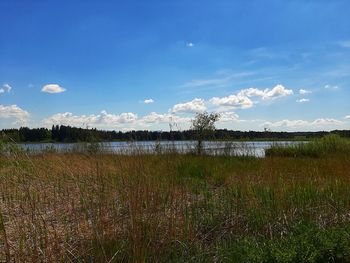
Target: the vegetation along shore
(292, 206)
(61, 133)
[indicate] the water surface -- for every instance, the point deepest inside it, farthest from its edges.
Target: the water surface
(247, 148)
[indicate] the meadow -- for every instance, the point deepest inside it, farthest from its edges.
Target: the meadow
(292, 206)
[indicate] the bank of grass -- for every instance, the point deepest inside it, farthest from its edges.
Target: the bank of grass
(328, 145)
(174, 208)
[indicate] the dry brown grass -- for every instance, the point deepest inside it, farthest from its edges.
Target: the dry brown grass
(111, 208)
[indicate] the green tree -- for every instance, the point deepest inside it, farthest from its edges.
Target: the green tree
(203, 125)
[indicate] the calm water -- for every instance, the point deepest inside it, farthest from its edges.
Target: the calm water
(250, 148)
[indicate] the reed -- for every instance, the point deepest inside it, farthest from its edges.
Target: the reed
(99, 207)
(330, 144)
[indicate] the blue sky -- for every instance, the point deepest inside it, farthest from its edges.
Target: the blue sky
(283, 65)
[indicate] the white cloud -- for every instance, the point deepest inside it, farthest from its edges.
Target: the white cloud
(252, 92)
(286, 123)
(228, 116)
(347, 117)
(304, 91)
(189, 44)
(232, 101)
(267, 94)
(126, 117)
(196, 105)
(327, 122)
(13, 111)
(53, 88)
(127, 121)
(148, 101)
(303, 123)
(331, 87)
(303, 100)
(154, 117)
(5, 88)
(242, 98)
(103, 119)
(68, 118)
(123, 121)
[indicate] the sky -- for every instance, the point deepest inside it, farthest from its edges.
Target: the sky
(122, 65)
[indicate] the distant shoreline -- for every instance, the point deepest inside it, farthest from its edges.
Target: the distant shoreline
(209, 140)
(68, 134)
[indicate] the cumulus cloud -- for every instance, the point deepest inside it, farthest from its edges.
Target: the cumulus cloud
(232, 101)
(303, 123)
(13, 111)
(196, 105)
(126, 117)
(123, 121)
(148, 101)
(155, 118)
(347, 117)
(268, 94)
(302, 100)
(243, 98)
(68, 118)
(304, 91)
(5, 88)
(103, 119)
(228, 116)
(286, 123)
(327, 122)
(53, 88)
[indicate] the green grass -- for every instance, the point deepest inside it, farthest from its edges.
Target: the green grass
(331, 144)
(98, 207)
(306, 243)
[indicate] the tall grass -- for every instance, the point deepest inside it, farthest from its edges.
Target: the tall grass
(77, 207)
(330, 144)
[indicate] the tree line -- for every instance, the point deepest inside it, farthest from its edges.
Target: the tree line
(72, 134)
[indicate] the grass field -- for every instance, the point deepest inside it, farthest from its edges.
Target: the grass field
(175, 208)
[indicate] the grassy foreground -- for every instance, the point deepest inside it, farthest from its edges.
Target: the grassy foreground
(174, 208)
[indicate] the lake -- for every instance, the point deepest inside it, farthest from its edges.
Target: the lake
(244, 148)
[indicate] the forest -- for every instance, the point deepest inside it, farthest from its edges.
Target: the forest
(72, 134)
